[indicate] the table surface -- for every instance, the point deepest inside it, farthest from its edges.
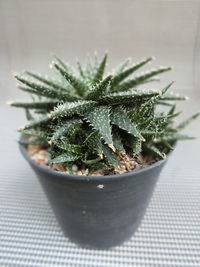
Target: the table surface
(168, 236)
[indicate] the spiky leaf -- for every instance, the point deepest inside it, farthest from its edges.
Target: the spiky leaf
(33, 132)
(173, 97)
(75, 129)
(35, 105)
(136, 145)
(164, 103)
(117, 142)
(64, 144)
(29, 116)
(69, 109)
(99, 118)
(34, 142)
(183, 124)
(62, 63)
(173, 137)
(100, 70)
(172, 110)
(122, 66)
(81, 71)
(152, 148)
(45, 91)
(166, 88)
(78, 85)
(46, 81)
(93, 141)
(129, 97)
(122, 75)
(92, 161)
(65, 157)
(62, 129)
(37, 122)
(100, 89)
(140, 79)
(120, 118)
(87, 119)
(110, 156)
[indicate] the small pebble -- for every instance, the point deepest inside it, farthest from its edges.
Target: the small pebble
(128, 162)
(74, 168)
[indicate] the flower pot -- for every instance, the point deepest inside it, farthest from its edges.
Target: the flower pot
(98, 211)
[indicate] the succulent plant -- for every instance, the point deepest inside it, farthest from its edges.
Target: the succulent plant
(86, 118)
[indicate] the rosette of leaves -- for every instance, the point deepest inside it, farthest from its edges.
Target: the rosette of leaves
(86, 118)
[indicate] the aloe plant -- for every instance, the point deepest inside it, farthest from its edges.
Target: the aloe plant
(87, 118)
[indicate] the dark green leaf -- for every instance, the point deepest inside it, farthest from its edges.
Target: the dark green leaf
(46, 81)
(174, 137)
(62, 129)
(34, 142)
(100, 89)
(80, 69)
(122, 66)
(64, 144)
(136, 146)
(187, 121)
(35, 105)
(129, 97)
(28, 114)
(120, 118)
(62, 63)
(122, 75)
(78, 85)
(69, 109)
(33, 132)
(93, 141)
(152, 148)
(100, 70)
(37, 122)
(172, 97)
(91, 161)
(65, 157)
(45, 91)
(110, 156)
(117, 142)
(140, 79)
(99, 118)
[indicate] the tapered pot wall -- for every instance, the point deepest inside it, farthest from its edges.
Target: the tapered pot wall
(98, 211)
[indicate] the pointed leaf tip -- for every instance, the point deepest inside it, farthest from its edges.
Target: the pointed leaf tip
(99, 117)
(14, 74)
(9, 103)
(21, 128)
(164, 90)
(120, 118)
(112, 147)
(183, 124)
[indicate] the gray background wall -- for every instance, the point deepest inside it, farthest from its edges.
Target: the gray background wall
(30, 30)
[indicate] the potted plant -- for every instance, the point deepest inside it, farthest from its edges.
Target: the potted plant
(98, 145)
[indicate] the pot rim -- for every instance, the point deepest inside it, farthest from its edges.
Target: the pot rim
(94, 178)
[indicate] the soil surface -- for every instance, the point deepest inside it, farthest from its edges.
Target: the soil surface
(128, 162)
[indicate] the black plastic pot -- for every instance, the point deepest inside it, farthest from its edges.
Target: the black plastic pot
(98, 211)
